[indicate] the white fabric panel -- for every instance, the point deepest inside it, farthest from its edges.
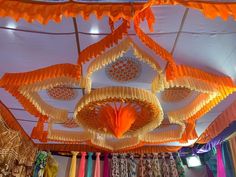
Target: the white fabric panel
(65, 26)
(21, 51)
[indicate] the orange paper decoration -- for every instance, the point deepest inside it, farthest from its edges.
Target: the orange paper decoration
(117, 119)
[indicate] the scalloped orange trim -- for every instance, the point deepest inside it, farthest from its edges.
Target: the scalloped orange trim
(219, 124)
(209, 8)
(108, 41)
(45, 11)
(149, 42)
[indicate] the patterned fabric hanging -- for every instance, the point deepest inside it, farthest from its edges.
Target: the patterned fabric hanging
(51, 168)
(156, 169)
(123, 166)
(148, 167)
(179, 166)
(173, 169)
(141, 167)
(40, 164)
(165, 167)
(115, 172)
(132, 166)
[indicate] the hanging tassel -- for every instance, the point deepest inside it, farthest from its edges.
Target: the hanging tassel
(73, 164)
(106, 168)
(89, 165)
(82, 165)
(97, 165)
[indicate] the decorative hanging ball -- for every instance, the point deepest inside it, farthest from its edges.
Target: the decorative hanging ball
(175, 94)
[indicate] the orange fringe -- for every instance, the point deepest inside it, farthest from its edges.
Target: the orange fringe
(108, 41)
(149, 42)
(219, 124)
(208, 8)
(43, 12)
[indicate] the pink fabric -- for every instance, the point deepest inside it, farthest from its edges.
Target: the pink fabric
(97, 165)
(106, 172)
(220, 164)
(81, 172)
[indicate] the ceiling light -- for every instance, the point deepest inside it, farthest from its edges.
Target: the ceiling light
(193, 161)
(11, 25)
(94, 30)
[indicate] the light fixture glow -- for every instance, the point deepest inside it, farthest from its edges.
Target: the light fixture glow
(193, 161)
(94, 30)
(11, 25)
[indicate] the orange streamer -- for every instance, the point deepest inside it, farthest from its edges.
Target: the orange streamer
(108, 41)
(43, 12)
(219, 124)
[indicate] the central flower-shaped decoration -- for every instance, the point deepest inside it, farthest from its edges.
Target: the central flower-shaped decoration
(119, 111)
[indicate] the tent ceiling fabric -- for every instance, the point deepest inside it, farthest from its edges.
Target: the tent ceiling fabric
(194, 40)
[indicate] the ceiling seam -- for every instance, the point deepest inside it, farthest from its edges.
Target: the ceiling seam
(180, 29)
(103, 34)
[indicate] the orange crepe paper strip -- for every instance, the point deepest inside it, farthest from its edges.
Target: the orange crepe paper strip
(149, 42)
(38, 131)
(12, 82)
(118, 119)
(209, 8)
(43, 12)
(108, 41)
(179, 71)
(219, 124)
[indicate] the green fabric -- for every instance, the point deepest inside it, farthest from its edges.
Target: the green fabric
(180, 166)
(40, 163)
(89, 165)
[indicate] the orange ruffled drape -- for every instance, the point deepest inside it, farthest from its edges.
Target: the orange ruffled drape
(108, 41)
(219, 124)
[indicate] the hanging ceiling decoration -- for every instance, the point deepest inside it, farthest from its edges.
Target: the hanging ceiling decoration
(121, 117)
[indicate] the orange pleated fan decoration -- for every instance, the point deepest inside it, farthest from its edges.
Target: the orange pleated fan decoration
(118, 120)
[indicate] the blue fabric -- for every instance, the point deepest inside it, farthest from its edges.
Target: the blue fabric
(227, 159)
(218, 139)
(89, 165)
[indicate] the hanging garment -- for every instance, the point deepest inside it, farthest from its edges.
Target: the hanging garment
(141, 167)
(123, 166)
(81, 172)
(232, 143)
(132, 165)
(148, 168)
(89, 165)
(156, 169)
(179, 166)
(209, 172)
(97, 172)
(227, 159)
(51, 168)
(106, 168)
(40, 164)
(165, 167)
(115, 172)
(220, 164)
(73, 164)
(173, 169)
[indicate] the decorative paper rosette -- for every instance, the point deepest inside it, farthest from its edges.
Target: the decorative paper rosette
(119, 111)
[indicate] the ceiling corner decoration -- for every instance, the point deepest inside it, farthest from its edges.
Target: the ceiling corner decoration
(122, 117)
